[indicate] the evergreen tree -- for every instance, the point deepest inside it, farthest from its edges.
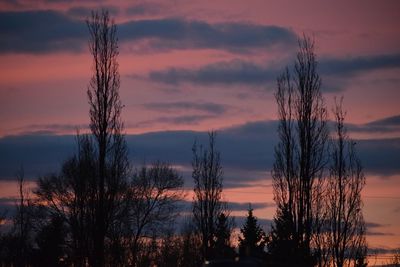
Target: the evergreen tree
(222, 245)
(254, 239)
(281, 242)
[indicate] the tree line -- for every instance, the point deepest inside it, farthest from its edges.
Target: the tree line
(100, 211)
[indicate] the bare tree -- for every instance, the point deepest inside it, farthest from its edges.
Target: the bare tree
(105, 124)
(344, 203)
(207, 203)
(23, 222)
(153, 203)
(300, 154)
(70, 196)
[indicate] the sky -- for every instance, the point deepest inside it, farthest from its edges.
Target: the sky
(188, 67)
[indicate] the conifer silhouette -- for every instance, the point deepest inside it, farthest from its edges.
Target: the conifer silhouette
(254, 239)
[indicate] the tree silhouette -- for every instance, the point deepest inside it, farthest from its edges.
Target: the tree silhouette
(152, 198)
(23, 223)
(90, 191)
(253, 238)
(106, 127)
(222, 244)
(300, 154)
(344, 203)
(70, 195)
(207, 204)
(107, 211)
(281, 242)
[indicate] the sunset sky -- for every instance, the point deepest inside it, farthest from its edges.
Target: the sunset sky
(188, 67)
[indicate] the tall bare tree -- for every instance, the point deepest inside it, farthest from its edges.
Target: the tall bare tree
(90, 192)
(207, 202)
(105, 121)
(23, 222)
(300, 154)
(344, 203)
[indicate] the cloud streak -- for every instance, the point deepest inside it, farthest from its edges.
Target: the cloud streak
(142, 9)
(242, 72)
(234, 206)
(194, 119)
(225, 73)
(40, 32)
(385, 125)
(50, 129)
(380, 156)
(239, 206)
(349, 67)
(183, 34)
(49, 31)
(246, 151)
(82, 12)
(208, 107)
